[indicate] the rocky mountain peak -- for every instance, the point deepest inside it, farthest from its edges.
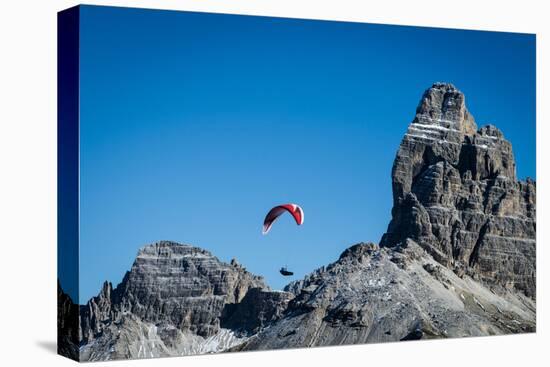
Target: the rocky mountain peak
(171, 249)
(176, 299)
(106, 290)
(456, 194)
(443, 106)
(174, 284)
(441, 124)
(359, 250)
(372, 295)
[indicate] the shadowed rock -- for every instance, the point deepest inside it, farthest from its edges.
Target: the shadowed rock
(67, 325)
(173, 292)
(375, 295)
(456, 194)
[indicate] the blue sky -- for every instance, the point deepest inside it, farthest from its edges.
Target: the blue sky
(194, 125)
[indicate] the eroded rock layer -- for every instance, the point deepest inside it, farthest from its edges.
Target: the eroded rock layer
(174, 293)
(373, 295)
(456, 194)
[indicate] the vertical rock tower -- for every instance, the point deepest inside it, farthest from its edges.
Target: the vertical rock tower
(455, 193)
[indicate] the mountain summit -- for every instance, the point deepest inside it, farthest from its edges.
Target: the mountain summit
(171, 302)
(455, 193)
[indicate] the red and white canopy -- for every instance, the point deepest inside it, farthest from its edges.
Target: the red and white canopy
(294, 209)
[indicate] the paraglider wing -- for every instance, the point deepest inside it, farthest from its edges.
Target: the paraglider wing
(295, 210)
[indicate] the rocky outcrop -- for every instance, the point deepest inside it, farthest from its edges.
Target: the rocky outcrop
(373, 295)
(257, 309)
(456, 194)
(67, 325)
(173, 292)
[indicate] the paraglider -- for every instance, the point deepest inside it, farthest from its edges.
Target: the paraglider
(275, 212)
(285, 272)
(298, 215)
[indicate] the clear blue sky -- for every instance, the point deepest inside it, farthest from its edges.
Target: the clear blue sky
(194, 125)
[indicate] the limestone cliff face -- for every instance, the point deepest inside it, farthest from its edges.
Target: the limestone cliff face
(373, 295)
(456, 194)
(181, 290)
(178, 284)
(259, 308)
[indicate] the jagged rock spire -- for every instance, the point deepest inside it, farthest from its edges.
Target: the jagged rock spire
(456, 193)
(443, 105)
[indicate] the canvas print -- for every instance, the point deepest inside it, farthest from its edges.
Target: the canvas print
(237, 183)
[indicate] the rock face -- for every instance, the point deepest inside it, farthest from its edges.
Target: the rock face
(175, 294)
(373, 295)
(67, 325)
(257, 309)
(458, 259)
(456, 194)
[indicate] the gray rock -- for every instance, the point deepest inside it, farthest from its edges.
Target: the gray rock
(456, 193)
(169, 286)
(256, 310)
(368, 297)
(67, 325)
